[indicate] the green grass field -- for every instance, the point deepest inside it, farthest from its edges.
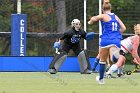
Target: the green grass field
(63, 82)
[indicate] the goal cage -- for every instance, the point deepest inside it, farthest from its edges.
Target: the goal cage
(48, 19)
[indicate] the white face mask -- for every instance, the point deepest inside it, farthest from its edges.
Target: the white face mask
(77, 26)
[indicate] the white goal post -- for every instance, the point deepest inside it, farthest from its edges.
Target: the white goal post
(85, 20)
(18, 6)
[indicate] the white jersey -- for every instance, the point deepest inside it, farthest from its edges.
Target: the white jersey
(126, 45)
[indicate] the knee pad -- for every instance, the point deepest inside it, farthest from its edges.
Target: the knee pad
(58, 61)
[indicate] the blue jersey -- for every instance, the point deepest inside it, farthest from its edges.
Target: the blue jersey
(111, 35)
(111, 29)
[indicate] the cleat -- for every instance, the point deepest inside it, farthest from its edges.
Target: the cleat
(101, 82)
(87, 71)
(52, 71)
(94, 71)
(119, 75)
(109, 76)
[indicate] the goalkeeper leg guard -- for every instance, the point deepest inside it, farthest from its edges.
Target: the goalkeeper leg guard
(84, 62)
(56, 63)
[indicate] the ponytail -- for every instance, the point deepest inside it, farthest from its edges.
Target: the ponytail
(106, 6)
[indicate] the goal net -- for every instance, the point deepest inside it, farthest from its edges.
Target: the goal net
(48, 19)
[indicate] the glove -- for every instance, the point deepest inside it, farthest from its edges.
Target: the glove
(90, 36)
(56, 45)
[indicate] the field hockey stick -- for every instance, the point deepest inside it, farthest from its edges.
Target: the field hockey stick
(137, 67)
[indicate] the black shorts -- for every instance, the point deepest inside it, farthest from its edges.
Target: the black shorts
(75, 47)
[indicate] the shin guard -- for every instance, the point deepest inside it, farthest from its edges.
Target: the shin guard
(57, 61)
(83, 60)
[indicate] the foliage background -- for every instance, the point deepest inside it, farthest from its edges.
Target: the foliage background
(54, 16)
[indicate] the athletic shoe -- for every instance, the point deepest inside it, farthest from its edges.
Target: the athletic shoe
(52, 71)
(94, 71)
(109, 76)
(87, 71)
(101, 82)
(120, 75)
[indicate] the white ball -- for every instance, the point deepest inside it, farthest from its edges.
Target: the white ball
(97, 78)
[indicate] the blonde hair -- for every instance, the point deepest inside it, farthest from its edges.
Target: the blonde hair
(137, 29)
(106, 6)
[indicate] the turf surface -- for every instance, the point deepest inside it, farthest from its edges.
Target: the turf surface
(63, 82)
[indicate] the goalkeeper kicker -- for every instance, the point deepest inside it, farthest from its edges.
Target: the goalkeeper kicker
(71, 40)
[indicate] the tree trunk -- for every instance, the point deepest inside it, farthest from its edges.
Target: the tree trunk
(61, 15)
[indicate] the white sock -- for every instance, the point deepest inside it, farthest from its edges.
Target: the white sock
(112, 69)
(120, 70)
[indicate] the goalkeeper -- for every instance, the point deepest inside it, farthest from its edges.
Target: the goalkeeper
(71, 40)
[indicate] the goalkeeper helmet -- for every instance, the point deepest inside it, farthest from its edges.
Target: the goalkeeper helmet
(76, 24)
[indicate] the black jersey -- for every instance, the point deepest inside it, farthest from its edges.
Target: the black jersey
(72, 36)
